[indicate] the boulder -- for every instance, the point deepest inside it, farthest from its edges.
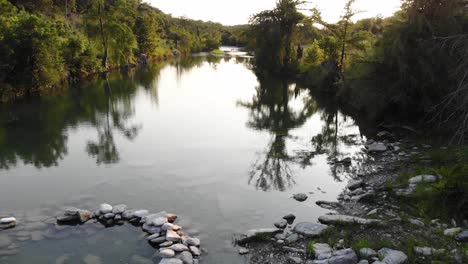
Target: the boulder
(281, 223)
(462, 237)
(105, 208)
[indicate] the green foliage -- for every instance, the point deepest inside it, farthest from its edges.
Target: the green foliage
(314, 57)
(45, 42)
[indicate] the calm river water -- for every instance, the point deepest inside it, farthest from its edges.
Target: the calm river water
(204, 138)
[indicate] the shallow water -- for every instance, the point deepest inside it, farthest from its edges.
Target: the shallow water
(203, 138)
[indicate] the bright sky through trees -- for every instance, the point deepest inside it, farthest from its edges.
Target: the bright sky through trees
(238, 11)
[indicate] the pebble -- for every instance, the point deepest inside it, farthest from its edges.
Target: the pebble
(166, 244)
(105, 208)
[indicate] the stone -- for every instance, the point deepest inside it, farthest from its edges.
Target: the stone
(193, 241)
(416, 222)
(292, 238)
(159, 221)
(84, 215)
(149, 218)
(166, 244)
(294, 260)
(343, 256)
(186, 257)
(179, 247)
(363, 262)
(128, 214)
(173, 236)
(105, 208)
(170, 261)
(354, 184)
(308, 229)
(195, 251)
(119, 209)
(92, 259)
(8, 221)
(141, 213)
(423, 178)
(153, 236)
(151, 229)
(169, 226)
(281, 224)
(243, 250)
(321, 248)
(135, 259)
(254, 234)
(280, 237)
(280, 241)
(109, 216)
(427, 251)
(452, 231)
(300, 197)
(376, 147)
(327, 204)
(367, 253)
(166, 253)
(462, 237)
(71, 211)
(159, 240)
(391, 256)
(289, 217)
(67, 218)
(346, 219)
(171, 218)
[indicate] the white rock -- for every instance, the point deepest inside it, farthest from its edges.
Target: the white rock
(376, 147)
(105, 208)
(393, 256)
(243, 250)
(159, 221)
(7, 220)
(186, 257)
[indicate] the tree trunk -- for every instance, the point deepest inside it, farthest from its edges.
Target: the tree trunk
(104, 39)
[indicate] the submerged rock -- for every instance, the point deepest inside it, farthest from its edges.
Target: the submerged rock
(300, 197)
(310, 229)
(260, 233)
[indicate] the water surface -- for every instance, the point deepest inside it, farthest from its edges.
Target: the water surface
(204, 138)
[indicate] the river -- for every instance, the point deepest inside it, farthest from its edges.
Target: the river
(202, 137)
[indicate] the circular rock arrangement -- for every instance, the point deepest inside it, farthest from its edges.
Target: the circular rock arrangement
(174, 246)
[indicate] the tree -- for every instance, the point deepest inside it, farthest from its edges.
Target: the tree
(275, 34)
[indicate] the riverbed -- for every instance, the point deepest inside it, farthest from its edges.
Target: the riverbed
(202, 137)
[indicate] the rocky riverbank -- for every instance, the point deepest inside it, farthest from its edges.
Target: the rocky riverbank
(372, 220)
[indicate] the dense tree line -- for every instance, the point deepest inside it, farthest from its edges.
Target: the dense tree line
(46, 42)
(411, 66)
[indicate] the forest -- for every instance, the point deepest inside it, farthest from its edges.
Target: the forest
(411, 66)
(47, 43)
